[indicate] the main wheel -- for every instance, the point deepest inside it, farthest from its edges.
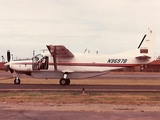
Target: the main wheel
(17, 80)
(68, 81)
(63, 81)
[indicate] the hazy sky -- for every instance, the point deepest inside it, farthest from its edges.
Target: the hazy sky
(107, 26)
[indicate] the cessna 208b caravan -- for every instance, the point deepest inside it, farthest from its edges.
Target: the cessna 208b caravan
(61, 64)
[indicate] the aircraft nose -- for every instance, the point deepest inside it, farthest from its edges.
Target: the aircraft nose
(8, 67)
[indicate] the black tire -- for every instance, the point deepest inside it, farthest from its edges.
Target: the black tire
(63, 81)
(68, 81)
(17, 81)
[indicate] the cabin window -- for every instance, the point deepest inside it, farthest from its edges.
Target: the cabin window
(37, 58)
(40, 62)
(44, 63)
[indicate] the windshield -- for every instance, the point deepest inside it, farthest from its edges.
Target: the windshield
(37, 57)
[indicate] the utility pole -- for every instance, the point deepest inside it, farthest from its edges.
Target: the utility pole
(33, 53)
(3, 60)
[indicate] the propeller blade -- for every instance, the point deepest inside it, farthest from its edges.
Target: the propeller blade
(7, 68)
(8, 56)
(11, 70)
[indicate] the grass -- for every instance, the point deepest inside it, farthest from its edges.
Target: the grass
(69, 98)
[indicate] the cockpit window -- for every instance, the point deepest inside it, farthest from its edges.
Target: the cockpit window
(40, 62)
(37, 58)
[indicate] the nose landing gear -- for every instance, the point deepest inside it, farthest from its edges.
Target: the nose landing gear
(17, 80)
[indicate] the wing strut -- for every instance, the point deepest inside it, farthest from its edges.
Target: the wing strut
(54, 59)
(53, 51)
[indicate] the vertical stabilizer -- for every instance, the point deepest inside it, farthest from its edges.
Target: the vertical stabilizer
(147, 45)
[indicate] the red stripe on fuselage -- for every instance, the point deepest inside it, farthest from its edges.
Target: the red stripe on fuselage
(89, 64)
(96, 64)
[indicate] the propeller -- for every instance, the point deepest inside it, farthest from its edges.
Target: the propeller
(8, 62)
(8, 56)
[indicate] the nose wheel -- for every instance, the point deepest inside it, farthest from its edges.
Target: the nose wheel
(17, 80)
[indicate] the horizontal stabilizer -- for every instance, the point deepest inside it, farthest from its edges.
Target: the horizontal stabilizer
(143, 57)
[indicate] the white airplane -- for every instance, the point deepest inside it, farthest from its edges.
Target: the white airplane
(62, 64)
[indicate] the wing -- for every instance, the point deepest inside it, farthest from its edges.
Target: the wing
(59, 51)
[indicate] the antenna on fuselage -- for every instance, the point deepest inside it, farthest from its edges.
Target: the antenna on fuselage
(85, 50)
(44, 50)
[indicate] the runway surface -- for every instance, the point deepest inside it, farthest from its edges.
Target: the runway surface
(78, 88)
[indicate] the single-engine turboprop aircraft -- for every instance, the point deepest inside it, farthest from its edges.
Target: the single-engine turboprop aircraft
(62, 64)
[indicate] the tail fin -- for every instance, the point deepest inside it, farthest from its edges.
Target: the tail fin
(147, 46)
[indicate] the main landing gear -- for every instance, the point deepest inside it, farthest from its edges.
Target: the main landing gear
(64, 80)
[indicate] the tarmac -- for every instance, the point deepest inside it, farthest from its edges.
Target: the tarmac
(39, 111)
(51, 111)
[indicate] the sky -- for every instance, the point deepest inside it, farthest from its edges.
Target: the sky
(97, 25)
